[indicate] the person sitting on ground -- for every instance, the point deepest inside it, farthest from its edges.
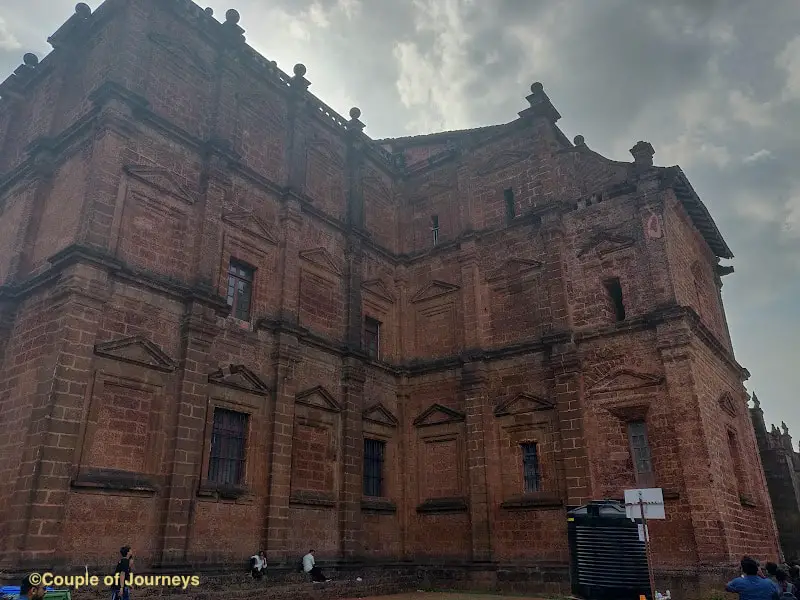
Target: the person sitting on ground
(258, 564)
(750, 586)
(29, 590)
(310, 567)
(785, 587)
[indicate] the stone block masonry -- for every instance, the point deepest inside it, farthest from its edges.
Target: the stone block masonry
(230, 320)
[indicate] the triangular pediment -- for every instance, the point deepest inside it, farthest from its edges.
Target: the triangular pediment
(248, 223)
(515, 267)
(322, 259)
(318, 397)
(240, 378)
(328, 151)
(434, 289)
(162, 180)
(523, 403)
(606, 242)
(625, 379)
(136, 350)
(437, 414)
(379, 289)
(180, 51)
(503, 160)
(727, 404)
(378, 413)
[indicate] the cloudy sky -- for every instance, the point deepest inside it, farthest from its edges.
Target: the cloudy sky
(714, 85)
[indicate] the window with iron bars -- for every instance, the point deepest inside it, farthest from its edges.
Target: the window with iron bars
(374, 456)
(530, 467)
(372, 337)
(435, 229)
(240, 289)
(640, 452)
(228, 442)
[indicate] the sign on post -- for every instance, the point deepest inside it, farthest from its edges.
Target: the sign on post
(641, 505)
(651, 500)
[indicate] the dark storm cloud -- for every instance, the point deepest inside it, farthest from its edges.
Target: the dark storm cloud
(714, 85)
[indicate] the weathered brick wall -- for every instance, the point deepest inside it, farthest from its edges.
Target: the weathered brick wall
(502, 333)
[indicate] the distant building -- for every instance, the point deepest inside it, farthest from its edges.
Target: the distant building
(230, 320)
(782, 469)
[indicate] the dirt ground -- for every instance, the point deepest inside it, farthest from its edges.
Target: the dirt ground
(448, 596)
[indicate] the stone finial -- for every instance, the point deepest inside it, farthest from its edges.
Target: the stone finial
(354, 124)
(643, 153)
(82, 10)
(232, 31)
(784, 428)
(299, 80)
(232, 16)
(209, 11)
(774, 429)
(579, 141)
(30, 59)
(70, 30)
(756, 401)
(540, 105)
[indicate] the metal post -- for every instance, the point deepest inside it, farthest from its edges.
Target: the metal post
(647, 549)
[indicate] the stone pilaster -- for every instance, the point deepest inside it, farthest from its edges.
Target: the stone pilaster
(71, 316)
(291, 219)
(700, 498)
(476, 403)
(471, 295)
(295, 146)
(285, 356)
(568, 392)
(403, 436)
(350, 525)
(199, 329)
(553, 277)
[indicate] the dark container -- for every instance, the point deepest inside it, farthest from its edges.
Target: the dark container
(607, 560)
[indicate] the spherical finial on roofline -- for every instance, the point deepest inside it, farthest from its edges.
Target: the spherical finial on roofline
(209, 11)
(82, 10)
(579, 141)
(232, 16)
(537, 88)
(355, 113)
(300, 70)
(30, 59)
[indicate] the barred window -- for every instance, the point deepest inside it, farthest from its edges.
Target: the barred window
(530, 467)
(240, 289)
(640, 452)
(228, 440)
(372, 337)
(374, 454)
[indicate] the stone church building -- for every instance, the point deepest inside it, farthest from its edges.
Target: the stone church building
(229, 320)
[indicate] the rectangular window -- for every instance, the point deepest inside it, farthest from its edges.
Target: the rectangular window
(435, 229)
(240, 289)
(228, 439)
(614, 290)
(733, 447)
(511, 209)
(374, 455)
(372, 338)
(640, 453)
(530, 467)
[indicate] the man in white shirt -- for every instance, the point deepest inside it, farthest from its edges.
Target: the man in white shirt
(310, 567)
(258, 564)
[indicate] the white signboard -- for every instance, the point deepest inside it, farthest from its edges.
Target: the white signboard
(652, 500)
